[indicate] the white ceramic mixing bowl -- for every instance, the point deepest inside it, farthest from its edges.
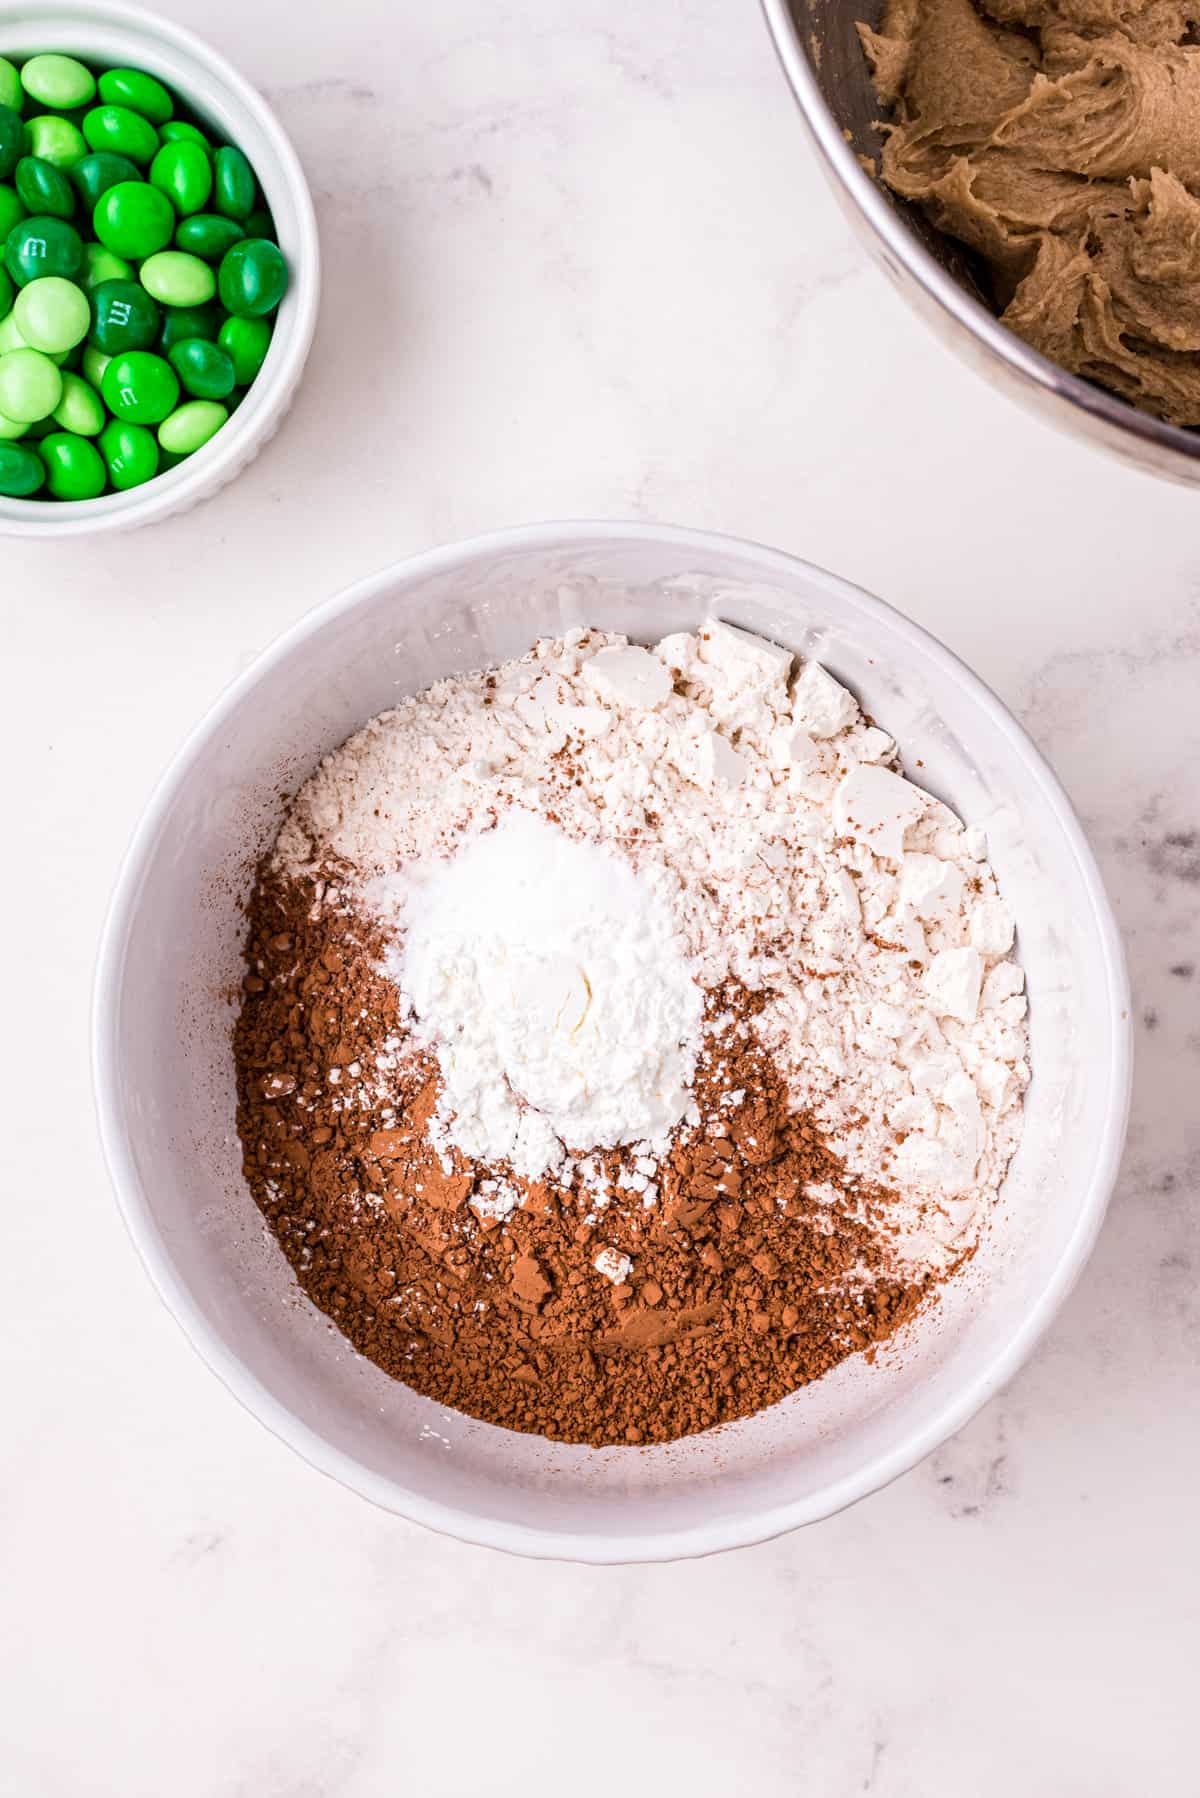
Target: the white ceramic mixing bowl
(107, 32)
(164, 1074)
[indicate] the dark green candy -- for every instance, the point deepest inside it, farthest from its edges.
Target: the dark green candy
(93, 175)
(6, 293)
(43, 246)
(185, 174)
(124, 317)
(140, 388)
(119, 128)
(74, 469)
(137, 91)
(21, 471)
(11, 210)
(182, 322)
(233, 183)
(252, 278)
(246, 342)
(205, 370)
(43, 188)
(12, 142)
(130, 454)
(207, 235)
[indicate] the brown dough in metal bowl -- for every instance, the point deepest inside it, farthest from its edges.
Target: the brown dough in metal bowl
(1060, 140)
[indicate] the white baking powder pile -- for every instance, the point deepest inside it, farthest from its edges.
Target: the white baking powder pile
(574, 848)
(550, 981)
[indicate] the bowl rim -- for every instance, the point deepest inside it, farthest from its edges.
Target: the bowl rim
(216, 462)
(1035, 372)
(600, 1548)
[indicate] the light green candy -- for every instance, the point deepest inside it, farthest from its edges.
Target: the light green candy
(30, 385)
(94, 364)
(176, 279)
(11, 92)
(58, 81)
(56, 140)
(191, 425)
(80, 409)
(52, 314)
(10, 336)
(102, 264)
(11, 428)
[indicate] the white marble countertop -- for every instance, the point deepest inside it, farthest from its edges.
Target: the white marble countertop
(579, 262)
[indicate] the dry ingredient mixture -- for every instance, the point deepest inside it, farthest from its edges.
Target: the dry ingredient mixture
(1060, 139)
(625, 1040)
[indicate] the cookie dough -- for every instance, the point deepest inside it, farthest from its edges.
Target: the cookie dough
(1060, 139)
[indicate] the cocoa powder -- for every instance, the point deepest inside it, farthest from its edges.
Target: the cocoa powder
(743, 1283)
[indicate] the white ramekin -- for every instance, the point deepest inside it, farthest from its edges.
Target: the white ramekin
(107, 32)
(171, 956)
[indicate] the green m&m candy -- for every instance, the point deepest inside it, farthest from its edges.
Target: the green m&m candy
(185, 174)
(130, 454)
(124, 317)
(11, 209)
(93, 175)
(208, 235)
(205, 370)
(80, 409)
(234, 186)
(30, 385)
(134, 219)
(12, 140)
(94, 364)
(179, 131)
(43, 246)
(102, 264)
(190, 427)
(74, 469)
(137, 386)
(21, 470)
(55, 140)
(176, 279)
(52, 315)
(180, 322)
(58, 81)
(43, 188)
(246, 342)
(140, 92)
(12, 94)
(139, 274)
(253, 278)
(119, 128)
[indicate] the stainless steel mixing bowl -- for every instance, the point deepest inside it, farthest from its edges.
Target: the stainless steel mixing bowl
(822, 59)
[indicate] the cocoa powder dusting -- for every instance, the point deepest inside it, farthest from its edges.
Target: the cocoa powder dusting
(742, 1284)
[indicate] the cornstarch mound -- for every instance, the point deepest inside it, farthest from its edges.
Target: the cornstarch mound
(625, 1041)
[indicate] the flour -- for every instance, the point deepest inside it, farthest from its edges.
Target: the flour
(770, 838)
